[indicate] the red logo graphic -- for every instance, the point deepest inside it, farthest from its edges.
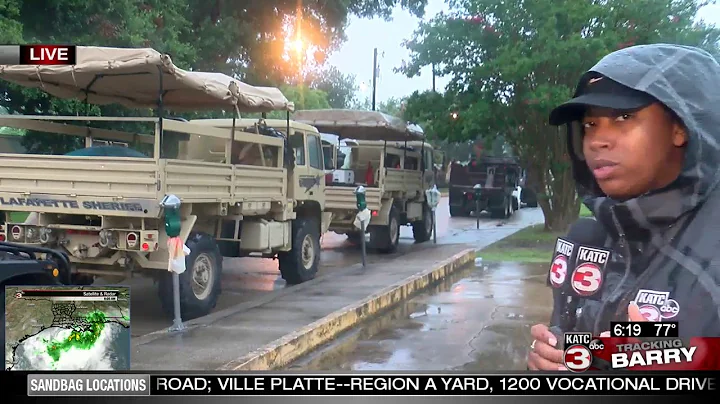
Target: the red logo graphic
(650, 312)
(656, 306)
(558, 271)
(577, 358)
(587, 279)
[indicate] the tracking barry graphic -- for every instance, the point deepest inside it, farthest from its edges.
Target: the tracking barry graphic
(67, 328)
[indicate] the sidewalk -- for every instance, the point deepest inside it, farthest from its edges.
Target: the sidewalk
(213, 345)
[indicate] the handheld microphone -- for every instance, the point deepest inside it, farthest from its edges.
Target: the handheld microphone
(576, 272)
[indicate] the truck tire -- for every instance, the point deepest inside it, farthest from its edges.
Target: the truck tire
(422, 229)
(529, 197)
(300, 264)
(386, 238)
(500, 212)
(516, 204)
(458, 211)
(199, 284)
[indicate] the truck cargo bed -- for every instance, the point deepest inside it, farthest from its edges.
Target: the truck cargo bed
(343, 198)
(130, 185)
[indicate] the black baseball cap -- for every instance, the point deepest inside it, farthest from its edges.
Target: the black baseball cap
(597, 90)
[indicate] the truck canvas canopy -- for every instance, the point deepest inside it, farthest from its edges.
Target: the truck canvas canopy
(360, 125)
(100, 77)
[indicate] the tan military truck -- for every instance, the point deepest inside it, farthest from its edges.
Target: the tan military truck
(240, 188)
(391, 160)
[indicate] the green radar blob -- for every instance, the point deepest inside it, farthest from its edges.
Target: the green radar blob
(79, 339)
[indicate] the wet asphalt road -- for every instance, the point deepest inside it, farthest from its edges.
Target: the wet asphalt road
(476, 320)
(246, 279)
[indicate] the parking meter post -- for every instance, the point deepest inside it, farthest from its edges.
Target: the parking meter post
(477, 193)
(434, 226)
(362, 243)
(171, 215)
(361, 206)
(177, 320)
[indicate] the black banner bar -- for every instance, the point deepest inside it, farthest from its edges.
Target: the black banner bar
(644, 329)
(115, 384)
(423, 385)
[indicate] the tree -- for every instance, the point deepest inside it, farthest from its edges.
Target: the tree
(439, 116)
(512, 61)
(392, 106)
(364, 103)
(340, 88)
(248, 39)
(303, 97)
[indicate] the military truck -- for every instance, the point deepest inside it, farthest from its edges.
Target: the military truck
(497, 179)
(241, 189)
(394, 164)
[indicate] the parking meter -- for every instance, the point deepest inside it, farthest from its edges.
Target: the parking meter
(171, 215)
(432, 196)
(360, 198)
(362, 216)
(477, 194)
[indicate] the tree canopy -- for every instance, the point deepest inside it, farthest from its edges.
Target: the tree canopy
(264, 43)
(512, 61)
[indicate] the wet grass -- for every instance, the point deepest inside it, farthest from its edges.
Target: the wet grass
(529, 245)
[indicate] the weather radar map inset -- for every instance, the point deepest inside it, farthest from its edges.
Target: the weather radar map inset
(67, 328)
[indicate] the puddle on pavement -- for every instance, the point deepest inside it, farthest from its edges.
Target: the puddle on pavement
(476, 319)
(503, 345)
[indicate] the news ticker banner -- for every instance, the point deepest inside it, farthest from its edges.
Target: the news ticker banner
(47, 55)
(526, 384)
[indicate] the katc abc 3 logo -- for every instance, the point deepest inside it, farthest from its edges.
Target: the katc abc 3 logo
(586, 279)
(578, 354)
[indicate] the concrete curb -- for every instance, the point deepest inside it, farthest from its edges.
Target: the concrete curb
(248, 305)
(286, 349)
(244, 306)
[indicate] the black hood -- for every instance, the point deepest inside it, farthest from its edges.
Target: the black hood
(685, 79)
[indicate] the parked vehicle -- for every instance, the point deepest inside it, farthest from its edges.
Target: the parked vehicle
(394, 164)
(493, 181)
(245, 190)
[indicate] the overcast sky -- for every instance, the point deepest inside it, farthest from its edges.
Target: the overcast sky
(363, 35)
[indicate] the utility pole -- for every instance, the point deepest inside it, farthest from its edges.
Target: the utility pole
(433, 77)
(374, 81)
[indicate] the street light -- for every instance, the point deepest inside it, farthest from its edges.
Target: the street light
(298, 46)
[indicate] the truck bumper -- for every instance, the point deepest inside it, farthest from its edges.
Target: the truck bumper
(465, 198)
(20, 260)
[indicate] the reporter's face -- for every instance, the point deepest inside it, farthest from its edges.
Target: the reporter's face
(631, 153)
